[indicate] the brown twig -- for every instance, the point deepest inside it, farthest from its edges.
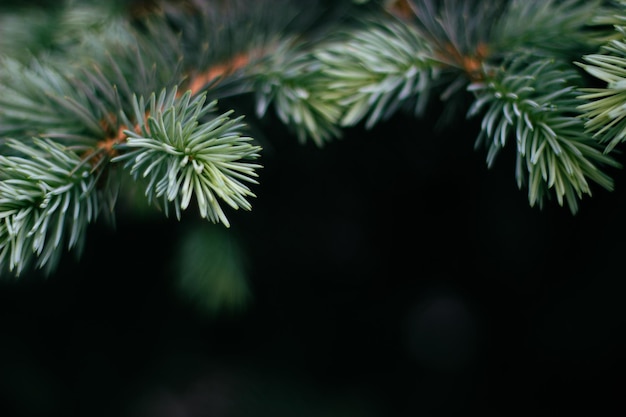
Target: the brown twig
(198, 81)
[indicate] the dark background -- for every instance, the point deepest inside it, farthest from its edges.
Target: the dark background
(391, 273)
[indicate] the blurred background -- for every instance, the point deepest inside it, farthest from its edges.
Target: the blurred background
(387, 274)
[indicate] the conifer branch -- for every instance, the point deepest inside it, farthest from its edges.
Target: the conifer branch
(82, 107)
(535, 101)
(605, 112)
(47, 199)
(558, 29)
(32, 100)
(181, 157)
(376, 69)
(293, 81)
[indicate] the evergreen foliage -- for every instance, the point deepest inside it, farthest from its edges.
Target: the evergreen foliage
(92, 94)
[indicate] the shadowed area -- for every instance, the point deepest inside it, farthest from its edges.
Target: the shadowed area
(389, 273)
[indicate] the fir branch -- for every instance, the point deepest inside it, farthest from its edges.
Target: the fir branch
(603, 22)
(26, 106)
(219, 43)
(47, 199)
(29, 32)
(605, 113)
(455, 28)
(79, 108)
(295, 82)
(373, 70)
(71, 28)
(85, 109)
(38, 99)
(535, 101)
(458, 33)
(182, 157)
(553, 28)
(209, 32)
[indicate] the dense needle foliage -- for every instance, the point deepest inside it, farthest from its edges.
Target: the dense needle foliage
(91, 94)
